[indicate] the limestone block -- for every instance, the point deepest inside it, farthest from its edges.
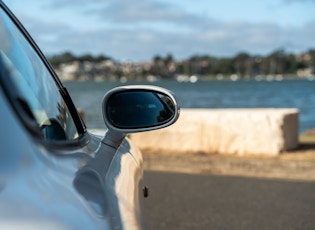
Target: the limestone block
(226, 131)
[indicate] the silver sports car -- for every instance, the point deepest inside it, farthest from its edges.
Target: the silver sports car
(54, 173)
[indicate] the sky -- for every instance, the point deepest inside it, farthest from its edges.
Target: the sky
(138, 30)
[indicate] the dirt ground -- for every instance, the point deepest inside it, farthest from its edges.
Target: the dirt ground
(294, 165)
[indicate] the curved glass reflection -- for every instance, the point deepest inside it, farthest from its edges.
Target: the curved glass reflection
(26, 77)
(139, 109)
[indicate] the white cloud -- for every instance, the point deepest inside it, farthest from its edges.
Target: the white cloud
(143, 44)
(140, 30)
(145, 12)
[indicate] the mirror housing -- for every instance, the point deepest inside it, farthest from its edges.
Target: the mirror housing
(139, 108)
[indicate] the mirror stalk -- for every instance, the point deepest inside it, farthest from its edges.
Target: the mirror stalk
(113, 139)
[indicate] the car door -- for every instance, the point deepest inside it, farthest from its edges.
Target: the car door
(49, 175)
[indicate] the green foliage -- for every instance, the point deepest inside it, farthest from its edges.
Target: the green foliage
(246, 65)
(68, 57)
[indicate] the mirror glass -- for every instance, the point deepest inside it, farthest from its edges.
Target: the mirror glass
(139, 109)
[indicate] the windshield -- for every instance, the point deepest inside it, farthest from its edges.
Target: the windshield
(31, 82)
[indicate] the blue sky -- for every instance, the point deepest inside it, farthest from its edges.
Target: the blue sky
(138, 30)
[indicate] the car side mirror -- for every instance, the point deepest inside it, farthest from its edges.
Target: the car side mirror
(127, 109)
(131, 109)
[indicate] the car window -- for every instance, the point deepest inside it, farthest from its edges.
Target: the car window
(32, 83)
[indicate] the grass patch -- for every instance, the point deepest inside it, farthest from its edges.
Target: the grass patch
(308, 137)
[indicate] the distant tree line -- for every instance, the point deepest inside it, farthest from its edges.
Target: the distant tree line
(242, 64)
(68, 57)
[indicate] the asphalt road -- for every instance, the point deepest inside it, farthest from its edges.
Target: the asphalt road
(195, 201)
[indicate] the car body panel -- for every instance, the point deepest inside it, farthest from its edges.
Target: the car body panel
(37, 176)
(37, 182)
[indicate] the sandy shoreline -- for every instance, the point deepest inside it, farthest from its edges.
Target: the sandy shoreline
(295, 165)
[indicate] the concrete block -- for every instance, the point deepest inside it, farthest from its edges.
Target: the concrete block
(226, 131)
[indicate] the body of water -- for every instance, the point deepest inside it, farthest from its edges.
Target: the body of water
(295, 93)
